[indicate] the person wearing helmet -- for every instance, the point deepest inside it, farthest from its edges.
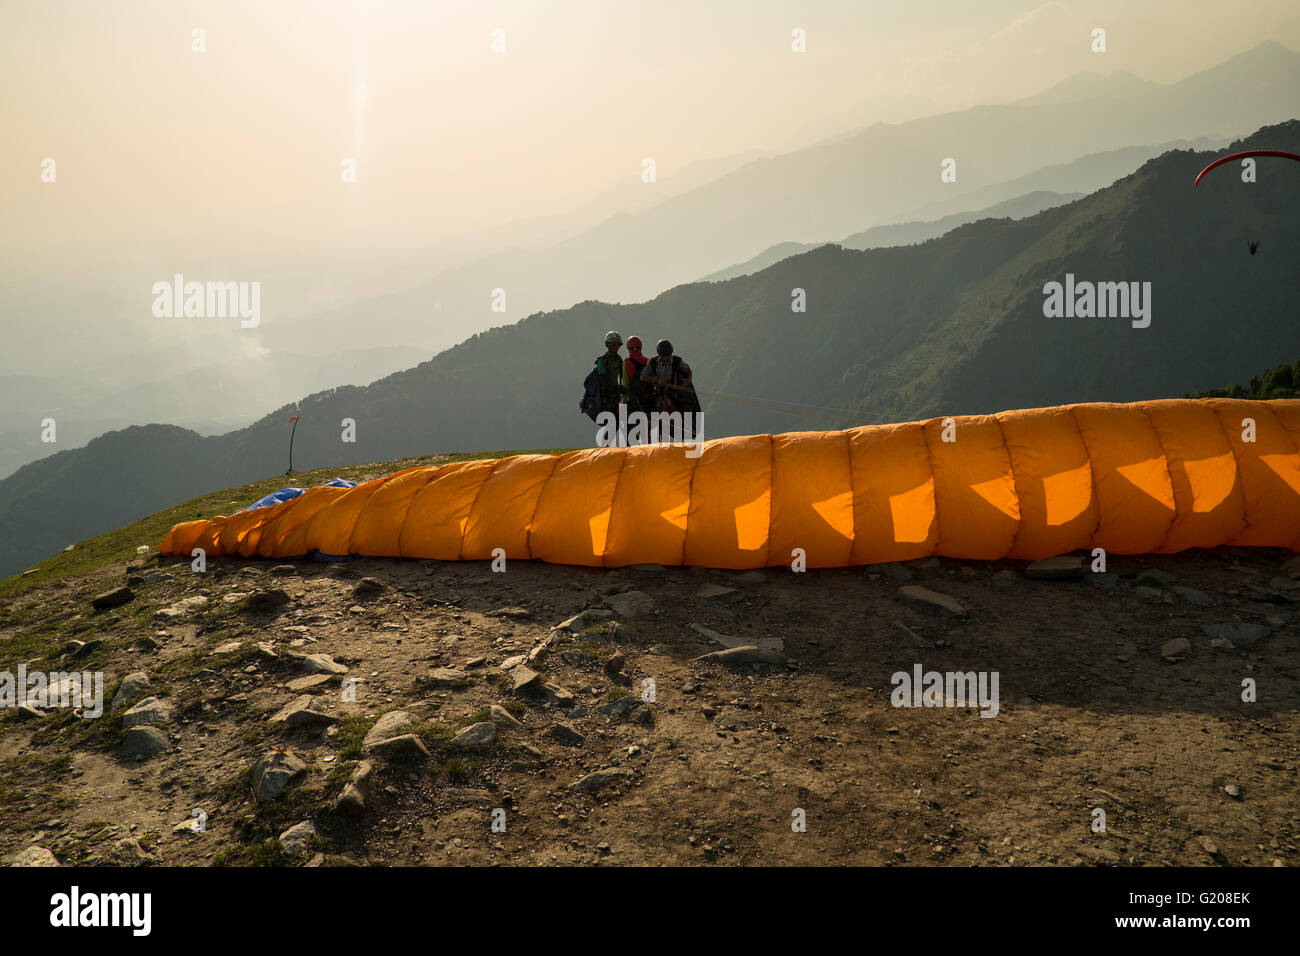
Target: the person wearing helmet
(669, 379)
(609, 368)
(637, 398)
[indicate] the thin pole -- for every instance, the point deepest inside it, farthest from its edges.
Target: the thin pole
(292, 432)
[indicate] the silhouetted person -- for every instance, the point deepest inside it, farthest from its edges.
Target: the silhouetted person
(610, 368)
(1254, 244)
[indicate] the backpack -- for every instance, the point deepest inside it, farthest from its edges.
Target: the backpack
(590, 403)
(687, 401)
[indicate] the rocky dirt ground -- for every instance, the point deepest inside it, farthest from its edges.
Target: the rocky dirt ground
(391, 712)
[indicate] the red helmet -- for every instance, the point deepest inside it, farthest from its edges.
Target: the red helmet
(634, 342)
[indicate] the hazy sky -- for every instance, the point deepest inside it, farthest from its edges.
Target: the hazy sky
(242, 145)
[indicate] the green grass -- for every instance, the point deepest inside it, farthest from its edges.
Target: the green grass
(120, 545)
(350, 732)
(459, 771)
(479, 716)
(267, 853)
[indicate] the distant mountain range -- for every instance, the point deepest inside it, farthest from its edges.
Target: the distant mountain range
(879, 175)
(1014, 199)
(953, 325)
(701, 220)
(903, 233)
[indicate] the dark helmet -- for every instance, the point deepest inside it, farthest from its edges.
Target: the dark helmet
(664, 348)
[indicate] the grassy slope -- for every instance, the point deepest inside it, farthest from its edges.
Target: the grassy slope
(121, 544)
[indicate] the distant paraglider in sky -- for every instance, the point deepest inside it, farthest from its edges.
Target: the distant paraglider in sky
(1281, 153)
(1252, 244)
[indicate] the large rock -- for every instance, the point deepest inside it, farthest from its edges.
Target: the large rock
(932, 601)
(322, 664)
(503, 718)
(524, 679)
(298, 838)
(388, 737)
(1240, 633)
(619, 708)
(352, 801)
(300, 684)
(444, 678)
(745, 654)
(33, 856)
(1176, 649)
(726, 640)
(368, 588)
(1193, 596)
(892, 569)
(141, 743)
(630, 603)
(268, 601)
(1062, 568)
(302, 712)
(600, 779)
(274, 771)
(719, 594)
(475, 737)
(567, 735)
(114, 598)
(405, 746)
(555, 694)
(584, 619)
(182, 608)
(391, 724)
(150, 712)
(133, 687)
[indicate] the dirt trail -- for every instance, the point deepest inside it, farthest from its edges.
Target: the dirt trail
(1096, 710)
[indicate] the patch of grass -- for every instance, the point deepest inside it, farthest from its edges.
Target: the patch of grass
(477, 717)
(351, 731)
(105, 730)
(341, 774)
(434, 734)
(32, 784)
(613, 694)
(293, 805)
(267, 853)
(41, 643)
(516, 707)
(457, 770)
(591, 650)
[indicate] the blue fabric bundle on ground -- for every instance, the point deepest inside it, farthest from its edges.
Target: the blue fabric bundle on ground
(286, 494)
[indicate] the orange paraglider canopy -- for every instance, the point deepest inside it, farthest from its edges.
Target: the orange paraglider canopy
(1136, 478)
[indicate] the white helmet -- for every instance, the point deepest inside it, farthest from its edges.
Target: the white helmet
(613, 338)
